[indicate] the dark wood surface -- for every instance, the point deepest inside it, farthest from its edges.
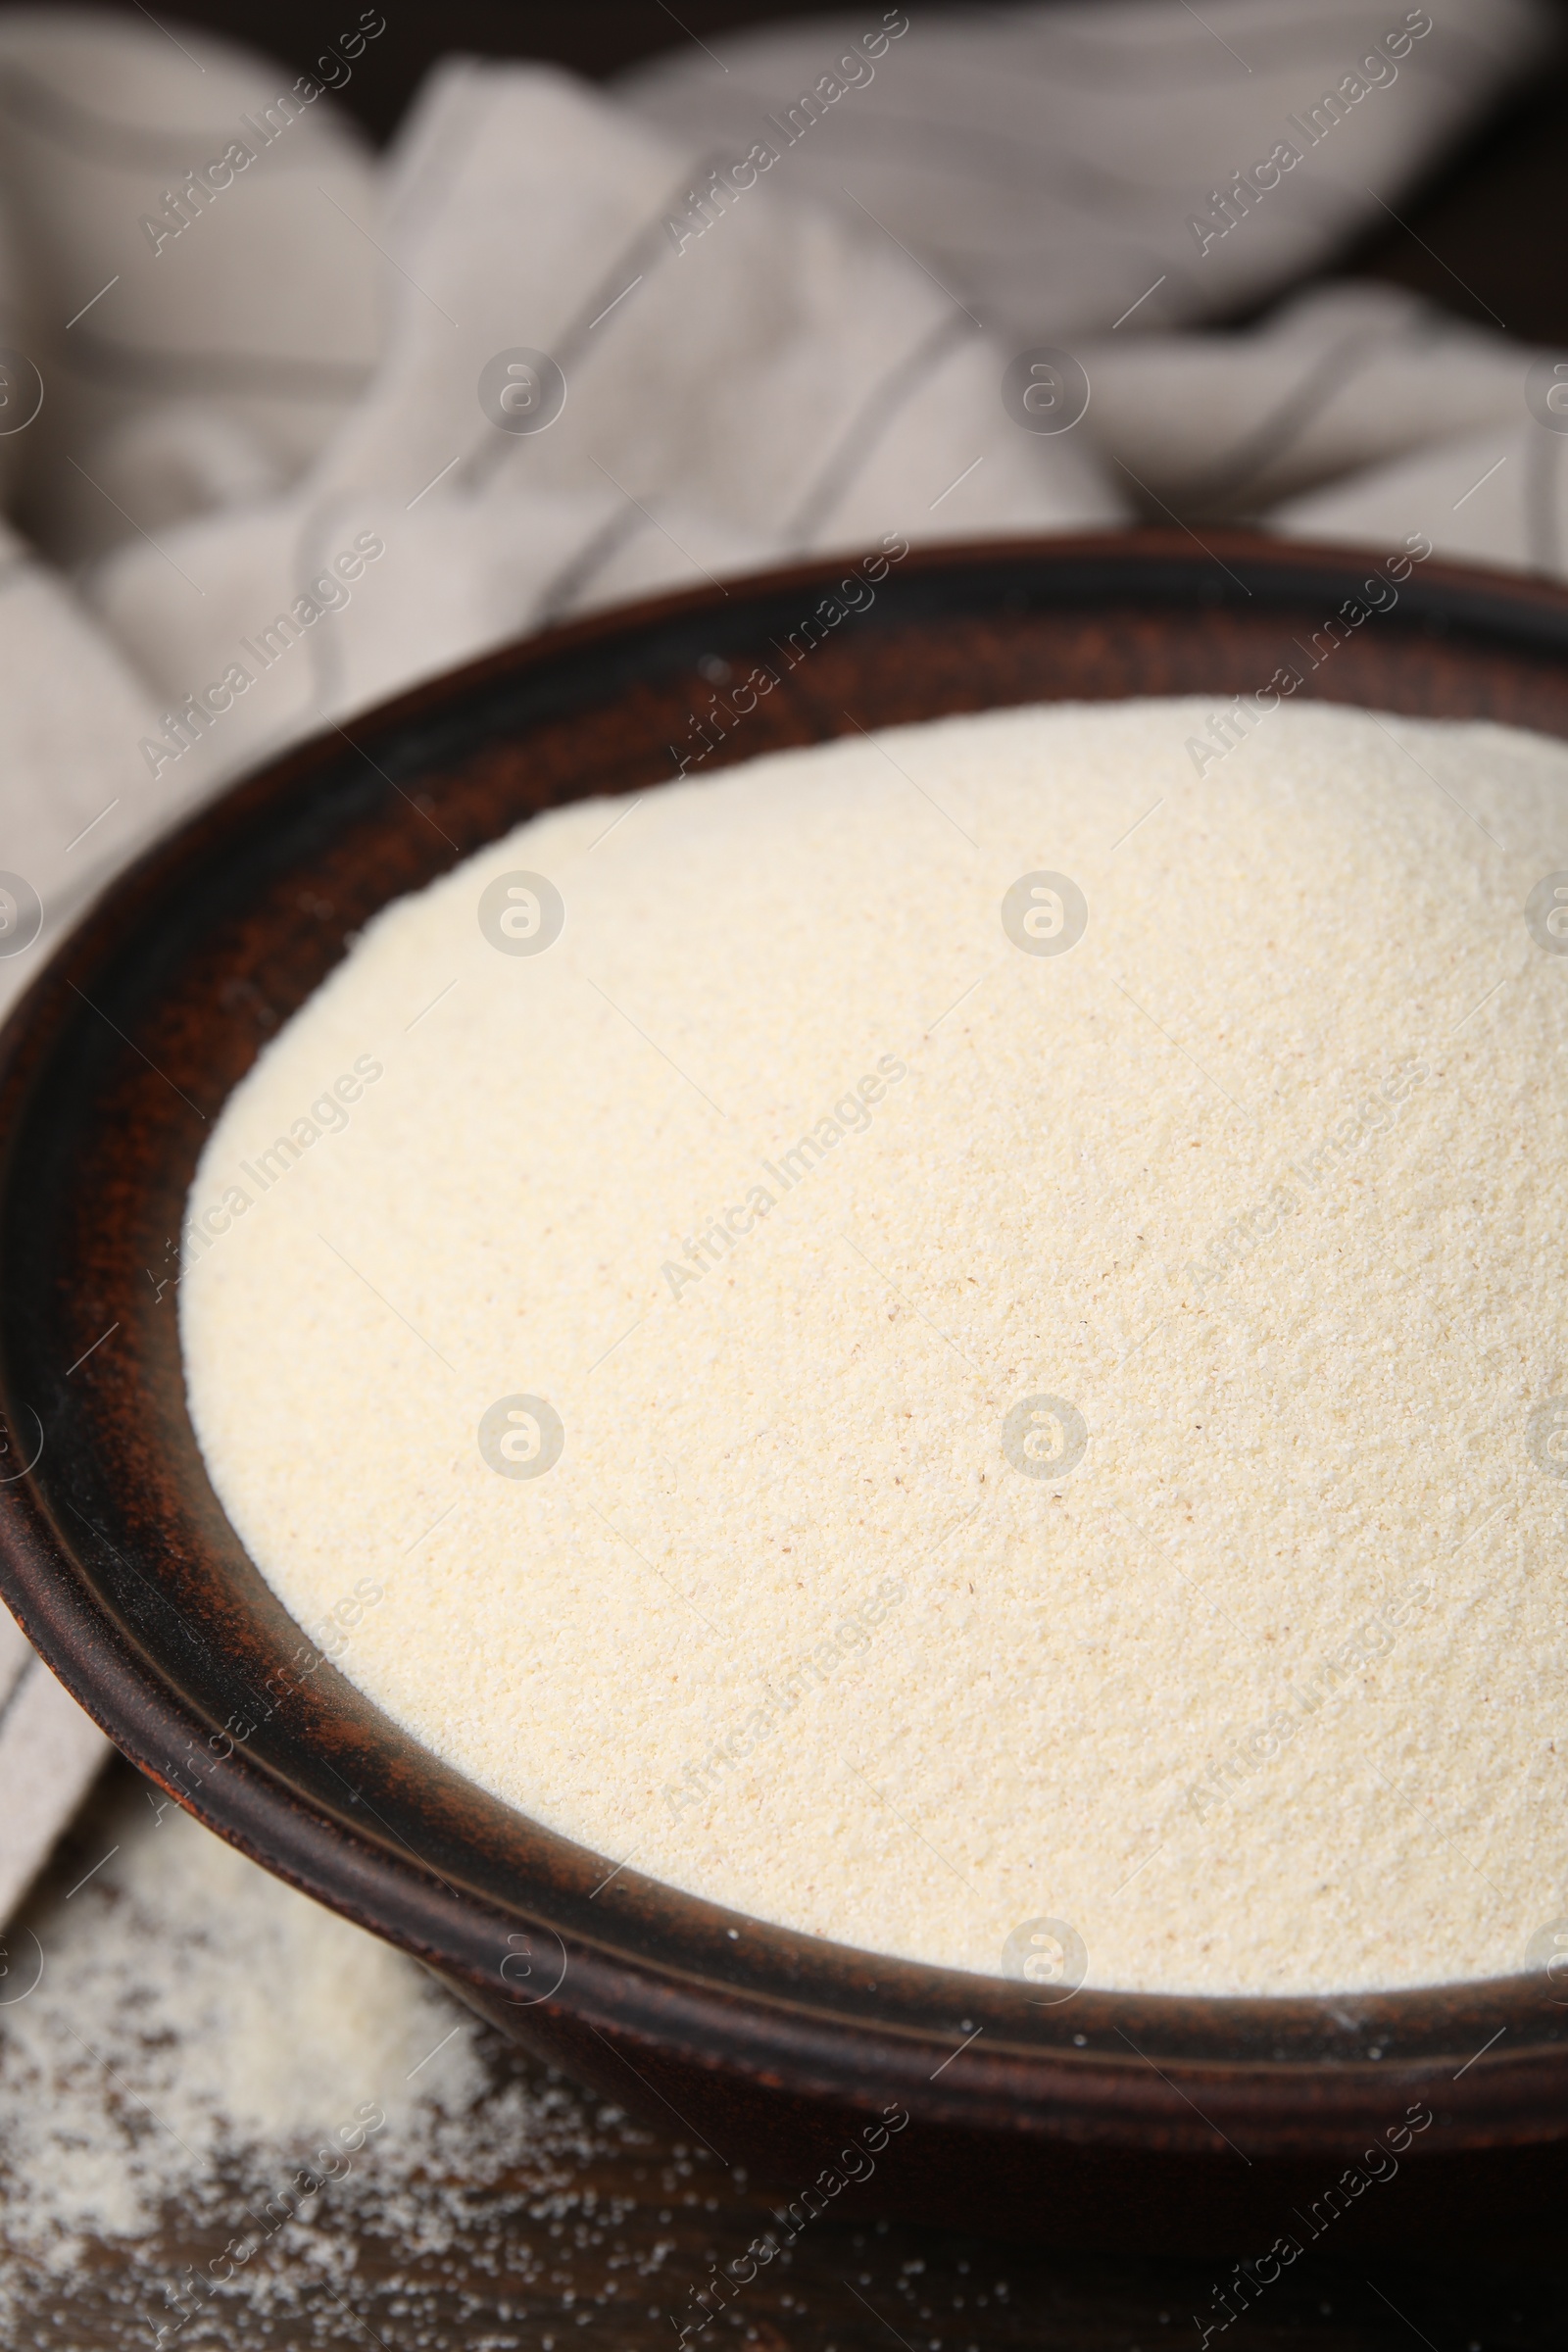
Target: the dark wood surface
(596, 2237)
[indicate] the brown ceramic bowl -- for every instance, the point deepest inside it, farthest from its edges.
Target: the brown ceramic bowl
(1123, 2120)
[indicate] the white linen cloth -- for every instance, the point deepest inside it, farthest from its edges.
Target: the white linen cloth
(246, 377)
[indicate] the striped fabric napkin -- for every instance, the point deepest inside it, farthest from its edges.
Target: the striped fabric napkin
(49, 1751)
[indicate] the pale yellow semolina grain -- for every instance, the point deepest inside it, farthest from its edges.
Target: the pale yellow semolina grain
(1264, 1178)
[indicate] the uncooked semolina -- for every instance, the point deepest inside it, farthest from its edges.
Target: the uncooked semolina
(954, 1329)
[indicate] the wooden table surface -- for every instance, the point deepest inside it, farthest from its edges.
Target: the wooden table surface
(565, 2267)
(542, 2221)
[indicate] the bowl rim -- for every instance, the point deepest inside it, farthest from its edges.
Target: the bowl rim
(673, 1970)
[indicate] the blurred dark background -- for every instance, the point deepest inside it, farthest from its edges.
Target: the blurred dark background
(1487, 236)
